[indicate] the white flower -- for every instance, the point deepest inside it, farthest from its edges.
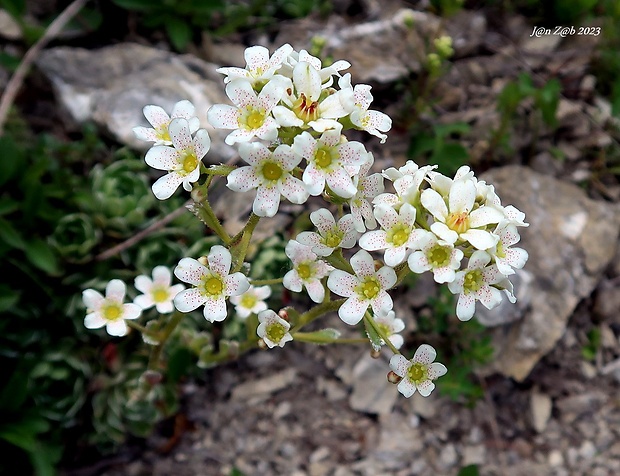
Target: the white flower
(436, 255)
(368, 187)
(307, 271)
(157, 291)
(419, 372)
(390, 326)
(212, 284)
(270, 173)
(251, 115)
(306, 104)
(366, 288)
(330, 160)
(181, 161)
(273, 329)
(252, 301)
(109, 311)
(475, 284)
(515, 216)
(326, 74)
(505, 257)
(259, 66)
(373, 122)
(407, 181)
(160, 121)
(331, 235)
(459, 219)
(397, 235)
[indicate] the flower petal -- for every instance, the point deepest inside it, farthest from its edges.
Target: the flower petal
(143, 284)
(462, 195)
(162, 157)
(223, 116)
(166, 185)
(189, 299)
(242, 179)
(316, 291)
(363, 264)
(387, 277)
(156, 116)
(352, 310)
(115, 290)
(94, 320)
(434, 203)
(116, 328)
(215, 310)
(190, 271)
(219, 260)
(266, 202)
(342, 283)
(161, 275)
(425, 354)
(236, 284)
(425, 388)
(202, 143)
(92, 299)
(179, 133)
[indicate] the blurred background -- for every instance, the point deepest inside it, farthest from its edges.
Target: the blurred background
(526, 93)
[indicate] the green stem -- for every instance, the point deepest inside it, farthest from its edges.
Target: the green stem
(243, 348)
(163, 337)
(207, 215)
(242, 248)
(266, 282)
(402, 270)
(337, 260)
(372, 323)
(303, 337)
(317, 312)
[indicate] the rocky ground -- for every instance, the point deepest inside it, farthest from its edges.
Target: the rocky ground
(330, 411)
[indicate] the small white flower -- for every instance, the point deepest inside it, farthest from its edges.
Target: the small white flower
(407, 181)
(181, 161)
(252, 301)
(459, 219)
(366, 288)
(157, 291)
(160, 121)
(390, 326)
(307, 271)
(475, 284)
(505, 257)
(331, 235)
(330, 160)
(397, 235)
(270, 173)
(368, 187)
(251, 114)
(212, 284)
(326, 74)
(109, 311)
(436, 255)
(373, 122)
(273, 329)
(260, 68)
(419, 372)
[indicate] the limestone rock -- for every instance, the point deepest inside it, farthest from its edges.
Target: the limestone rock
(371, 391)
(110, 86)
(571, 240)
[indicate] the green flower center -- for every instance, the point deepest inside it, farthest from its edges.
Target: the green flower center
(417, 373)
(213, 285)
(162, 133)
(473, 281)
(255, 119)
(323, 158)
(304, 270)
(333, 238)
(398, 235)
(160, 295)
(385, 329)
(458, 222)
(369, 288)
(305, 109)
(439, 256)
(248, 301)
(190, 162)
(275, 332)
(112, 312)
(272, 171)
(500, 252)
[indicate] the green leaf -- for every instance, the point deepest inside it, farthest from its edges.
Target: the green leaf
(8, 206)
(41, 255)
(15, 8)
(10, 235)
(375, 339)
(470, 470)
(138, 5)
(9, 61)
(179, 32)
(449, 158)
(12, 158)
(509, 99)
(445, 130)
(44, 459)
(547, 101)
(179, 363)
(420, 145)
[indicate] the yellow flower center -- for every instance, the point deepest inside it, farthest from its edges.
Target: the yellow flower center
(190, 162)
(305, 109)
(160, 295)
(248, 301)
(398, 235)
(162, 133)
(500, 252)
(275, 332)
(332, 238)
(323, 158)
(112, 312)
(213, 285)
(438, 256)
(255, 119)
(369, 288)
(473, 281)
(417, 373)
(304, 270)
(458, 222)
(272, 171)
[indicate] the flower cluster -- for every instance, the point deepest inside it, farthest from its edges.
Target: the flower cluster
(288, 119)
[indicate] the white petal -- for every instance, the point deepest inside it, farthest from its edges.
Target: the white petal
(406, 387)
(184, 109)
(480, 239)
(316, 291)
(131, 311)
(219, 260)
(202, 143)
(425, 354)
(395, 256)
(144, 301)
(387, 277)
(443, 232)
(462, 196)
(485, 215)
(223, 116)
(189, 299)
(341, 184)
(115, 290)
(94, 320)
(307, 80)
(352, 310)
(241, 93)
(162, 157)
(294, 190)
(166, 185)
(436, 370)
(156, 116)
(266, 202)
(116, 328)
(292, 281)
(363, 264)
(236, 284)
(342, 283)
(165, 307)
(434, 203)
(373, 240)
(418, 262)
(465, 307)
(145, 133)
(215, 310)
(143, 284)
(179, 133)
(323, 220)
(242, 179)
(161, 275)
(190, 271)
(92, 299)
(399, 365)
(425, 388)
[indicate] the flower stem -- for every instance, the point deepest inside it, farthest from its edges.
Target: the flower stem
(372, 323)
(163, 337)
(337, 260)
(266, 282)
(241, 249)
(304, 337)
(317, 312)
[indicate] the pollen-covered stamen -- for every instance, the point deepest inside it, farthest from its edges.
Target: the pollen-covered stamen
(473, 281)
(188, 161)
(272, 171)
(333, 238)
(398, 235)
(304, 270)
(162, 133)
(275, 332)
(213, 285)
(323, 158)
(417, 373)
(248, 301)
(112, 312)
(499, 250)
(369, 288)
(439, 256)
(305, 109)
(160, 294)
(458, 222)
(252, 118)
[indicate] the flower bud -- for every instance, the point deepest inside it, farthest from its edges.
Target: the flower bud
(375, 354)
(393, 378)
(283, 313)
(262, 345)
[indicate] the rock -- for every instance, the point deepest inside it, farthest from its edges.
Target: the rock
(467, 29)
(9, 28)
(423, 406)
(110, 86)
(258, 390)
(540, 406)
(556, 458)
(571, 240)
(448, 456)
(372, 393)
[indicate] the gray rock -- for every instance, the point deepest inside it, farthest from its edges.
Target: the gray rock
(571, 240)
(9, 28)
(110, 86)
(372, 393)
(540, 406)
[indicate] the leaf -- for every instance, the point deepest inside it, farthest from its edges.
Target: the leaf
(41, 255)
(12, 158)
(10, 235)
(178, 363)
(449, 158)
(470, 470)
(420, 145)
(179, 32)
(138, 5)
(445, 130)
(15, 8)
(375, 339)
